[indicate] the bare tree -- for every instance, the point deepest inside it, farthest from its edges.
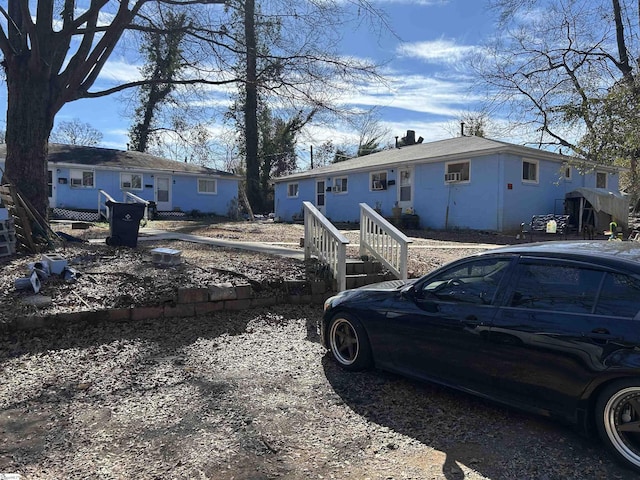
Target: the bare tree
(289, 61)
(53, 54)
(561, 67)
(76, 132)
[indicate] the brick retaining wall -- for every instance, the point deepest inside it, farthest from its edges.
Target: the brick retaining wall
(188, 302)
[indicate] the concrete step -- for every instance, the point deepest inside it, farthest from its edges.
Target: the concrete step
(358, 267)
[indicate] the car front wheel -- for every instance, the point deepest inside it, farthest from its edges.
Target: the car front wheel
(349, 343)
(618, 420)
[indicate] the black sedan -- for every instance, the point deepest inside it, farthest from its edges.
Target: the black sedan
(553, 328)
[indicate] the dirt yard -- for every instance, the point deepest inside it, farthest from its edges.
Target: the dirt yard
(108, 277)
(248, 395)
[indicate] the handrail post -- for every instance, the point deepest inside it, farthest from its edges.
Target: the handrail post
(324, 240)
(383, 241)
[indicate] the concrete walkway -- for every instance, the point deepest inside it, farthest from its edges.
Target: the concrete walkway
(149, 234)
(272, 248)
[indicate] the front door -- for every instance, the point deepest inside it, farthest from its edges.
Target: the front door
(51, 188)
(163, 193)
(405, 188)
(321, 196)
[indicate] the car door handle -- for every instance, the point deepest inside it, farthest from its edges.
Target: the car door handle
(472, 321)
(601, 334)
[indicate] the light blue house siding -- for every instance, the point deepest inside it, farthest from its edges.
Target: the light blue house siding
(185, 196)
(496, 194)
(78, 173)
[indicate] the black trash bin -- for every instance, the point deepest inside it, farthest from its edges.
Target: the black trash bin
(124, 223)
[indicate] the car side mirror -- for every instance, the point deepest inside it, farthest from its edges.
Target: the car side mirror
(410, 293)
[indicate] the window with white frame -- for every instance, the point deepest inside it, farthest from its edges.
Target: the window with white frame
(82, 178)
(340, 184)
(457, 172)
(530, 171)
(601, 180)
(378, 180)
(208, 186)
(131, 181)
(292, 190)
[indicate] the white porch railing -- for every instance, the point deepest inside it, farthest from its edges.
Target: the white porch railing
(103, 208)
(105, 211)
(384, 241)
(324, 241)
(131, 198)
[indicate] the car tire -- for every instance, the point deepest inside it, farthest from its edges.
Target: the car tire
(349, 343)
(618, 420)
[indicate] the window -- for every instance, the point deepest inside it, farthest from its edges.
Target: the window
(378, 181)
(130, 181)
(320, 194)
(472, 282)
(82, 178)
(563, 288)
(456, 172)
(340, 184)
(567, 172)
(601, 180)
(49, 183)
(405, 185)
(619, 296)
(292, 190)
(530, 171)
(208, 186)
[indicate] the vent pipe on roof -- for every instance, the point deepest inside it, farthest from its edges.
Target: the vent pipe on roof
(462, 129)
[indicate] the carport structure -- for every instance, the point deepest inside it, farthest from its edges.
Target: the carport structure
(597, 207)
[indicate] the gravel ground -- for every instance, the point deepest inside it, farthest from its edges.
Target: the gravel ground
(249, 395)
(253, 395)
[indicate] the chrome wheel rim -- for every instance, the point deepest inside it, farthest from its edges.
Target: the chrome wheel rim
(344, 341)
(622, 423)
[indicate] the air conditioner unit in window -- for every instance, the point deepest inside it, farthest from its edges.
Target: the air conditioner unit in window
(377, 185)
(452, 177)
(336, 188)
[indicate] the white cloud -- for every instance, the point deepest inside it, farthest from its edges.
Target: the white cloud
(120, 71)
(437, 51)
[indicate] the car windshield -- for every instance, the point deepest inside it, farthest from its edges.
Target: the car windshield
(475, 281)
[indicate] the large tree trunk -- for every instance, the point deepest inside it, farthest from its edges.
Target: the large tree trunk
(251, 109)
(29, 123)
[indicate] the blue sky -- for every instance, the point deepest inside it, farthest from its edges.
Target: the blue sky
(427, 91)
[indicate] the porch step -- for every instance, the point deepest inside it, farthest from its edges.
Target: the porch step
(365, 272)
(358, 267)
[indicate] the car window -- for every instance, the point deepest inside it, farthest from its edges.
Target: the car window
(620, 296)
(475, 281)
(546, 286)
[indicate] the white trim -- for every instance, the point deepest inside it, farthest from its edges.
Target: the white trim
(205, 179)
(337, 184)
(526, 180)
(82, 172)
(450, 176)
(131, 187)
(122, 168)
(380, 184)
(297, 188)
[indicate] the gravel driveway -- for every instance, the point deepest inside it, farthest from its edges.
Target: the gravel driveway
(252, 395)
